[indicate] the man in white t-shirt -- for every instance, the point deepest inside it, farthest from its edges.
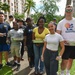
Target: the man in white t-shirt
(66, 28)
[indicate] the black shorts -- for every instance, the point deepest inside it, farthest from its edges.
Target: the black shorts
(69, 52)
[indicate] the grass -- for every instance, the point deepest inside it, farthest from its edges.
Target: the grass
(5, 69)
(72, 71)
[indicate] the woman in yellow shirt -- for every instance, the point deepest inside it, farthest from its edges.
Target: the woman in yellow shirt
(39, 34)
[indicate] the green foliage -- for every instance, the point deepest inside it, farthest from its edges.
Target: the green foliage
(19, 16)
(29, 5)
(4, 6)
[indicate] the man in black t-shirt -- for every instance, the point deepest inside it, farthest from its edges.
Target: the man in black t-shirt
(28, 41)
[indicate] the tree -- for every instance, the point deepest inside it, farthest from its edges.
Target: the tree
(29, 5)
(19, 16)
(49, 8)
(5, 7)
(68, 2)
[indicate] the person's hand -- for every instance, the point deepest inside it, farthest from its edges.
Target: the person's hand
(66, 42)
(2, 34)
(42, 58)
(7, 41)
(58, 57)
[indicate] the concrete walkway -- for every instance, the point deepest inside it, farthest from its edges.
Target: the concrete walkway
(24, 70)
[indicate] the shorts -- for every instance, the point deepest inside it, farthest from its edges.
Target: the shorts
(15, 50)
(4, 47)
(69, 52)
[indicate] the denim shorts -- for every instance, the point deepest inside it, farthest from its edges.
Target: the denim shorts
(4, 47)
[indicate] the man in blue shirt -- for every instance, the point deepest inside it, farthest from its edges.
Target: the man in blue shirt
(4, 28)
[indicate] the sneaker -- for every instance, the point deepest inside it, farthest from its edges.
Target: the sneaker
(67, 73)
(22, 59)
(15, 64)
(9, 64)
(41, 73)
(1, 66)
(18, 67)
(35, 73)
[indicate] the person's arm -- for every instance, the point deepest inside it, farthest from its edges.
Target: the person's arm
(33, 36)
(62, 48)
(1, 34)
(44, 48)
(61, 51)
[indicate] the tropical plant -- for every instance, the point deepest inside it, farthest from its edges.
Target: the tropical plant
(29, 5)
(5, 7)
(19, 16)
(50, 8)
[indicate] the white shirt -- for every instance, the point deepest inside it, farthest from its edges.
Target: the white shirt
(67, 28)
(53, 41)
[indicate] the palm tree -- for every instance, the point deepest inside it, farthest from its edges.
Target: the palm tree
(68, 2)
(5, 7)
(29, 5)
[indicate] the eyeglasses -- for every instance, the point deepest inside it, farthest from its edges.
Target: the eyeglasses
(68, 10)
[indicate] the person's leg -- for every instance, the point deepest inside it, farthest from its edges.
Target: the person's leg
(70, 60)
(1, 50)
(31, 56)
(22, 50)
(65, 58)
(17, 52)
(41, 62)
(47, 61)
(36, 60)
(53, 63)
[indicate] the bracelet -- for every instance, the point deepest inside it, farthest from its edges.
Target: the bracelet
(59, 56)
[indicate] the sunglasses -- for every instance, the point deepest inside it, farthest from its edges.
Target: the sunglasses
(68, 10)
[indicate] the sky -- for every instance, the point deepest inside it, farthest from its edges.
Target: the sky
(60, 4)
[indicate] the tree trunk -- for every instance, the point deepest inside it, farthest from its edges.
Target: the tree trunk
(68, 2)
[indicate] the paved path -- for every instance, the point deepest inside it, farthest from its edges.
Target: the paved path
(24, 70)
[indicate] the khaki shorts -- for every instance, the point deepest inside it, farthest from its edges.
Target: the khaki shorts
(15, 50)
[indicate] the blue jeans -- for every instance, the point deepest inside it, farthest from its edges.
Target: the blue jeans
(37, 60)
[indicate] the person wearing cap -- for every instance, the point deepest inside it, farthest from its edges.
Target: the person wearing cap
(28, 41)
(66, 27)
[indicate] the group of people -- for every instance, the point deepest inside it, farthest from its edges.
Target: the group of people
(42, 43)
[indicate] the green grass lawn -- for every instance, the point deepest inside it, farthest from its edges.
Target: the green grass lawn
(72, 71)
(6, 70)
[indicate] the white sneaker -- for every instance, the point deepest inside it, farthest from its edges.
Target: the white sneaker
(62, 73)
(68, 73)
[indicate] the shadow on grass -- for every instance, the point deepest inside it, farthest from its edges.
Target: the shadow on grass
(6, 71)
(25, 71)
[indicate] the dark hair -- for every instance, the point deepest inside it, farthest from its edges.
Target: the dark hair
(20, 20)
(1, 13)
(10, 16)
(15, 23)
(41, 17)
(28, 19)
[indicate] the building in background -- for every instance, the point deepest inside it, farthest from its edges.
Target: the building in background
(16, 6)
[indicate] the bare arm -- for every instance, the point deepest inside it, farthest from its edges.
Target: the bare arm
(33, 36)
(44, 48)
(62, 48)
